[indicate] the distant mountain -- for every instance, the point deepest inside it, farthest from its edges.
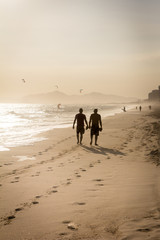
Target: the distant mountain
(59, 97)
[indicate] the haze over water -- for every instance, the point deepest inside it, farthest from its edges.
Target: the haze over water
(108, 46)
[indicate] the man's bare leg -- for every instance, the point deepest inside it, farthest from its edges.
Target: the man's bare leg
(77, 138)
(91, 139)
(96, 138)
(81, 137)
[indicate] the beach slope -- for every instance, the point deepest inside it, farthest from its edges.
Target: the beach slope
(57, 189)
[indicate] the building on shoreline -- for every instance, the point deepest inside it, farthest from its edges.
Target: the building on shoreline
(154, 95)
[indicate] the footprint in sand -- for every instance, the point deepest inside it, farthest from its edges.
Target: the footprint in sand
(42, 162)
(38, 196)
(63, 234)
(100, 184)
(143, 230)
(0, 185)
(29, 166)
(98, 180)
(16, 177)
(9, 218)
(68, 183)
(66, 222)
(92, 190)
(156, 226)
(69, 179)
(53, 191)
(78, 175)
(91, 165)
(71, 161)
(130, 150)
(14, 181)
(7, 164)
(40, 153)
(18, 209)
(47, 149)
(61, 165)
(36, 175)
(79, 203)
(35, 202)
(50, 169)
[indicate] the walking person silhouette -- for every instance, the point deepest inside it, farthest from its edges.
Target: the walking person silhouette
(81, 119)
(95, 124)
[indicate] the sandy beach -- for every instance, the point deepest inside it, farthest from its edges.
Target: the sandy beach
(58, 190)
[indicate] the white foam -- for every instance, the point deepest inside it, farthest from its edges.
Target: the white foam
(24, 158)
(4, 149)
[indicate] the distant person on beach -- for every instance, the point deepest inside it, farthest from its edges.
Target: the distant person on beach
(81, 119)
(124, 109)
(140, 108)
(95, 124)
(150, 107)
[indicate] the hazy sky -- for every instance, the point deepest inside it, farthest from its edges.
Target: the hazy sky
(108, 46)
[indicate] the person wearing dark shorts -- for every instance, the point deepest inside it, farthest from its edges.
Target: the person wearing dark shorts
(81, 120)
(95, 124)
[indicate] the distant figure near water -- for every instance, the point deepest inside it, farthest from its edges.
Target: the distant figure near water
(150, 107)
(59, 106)
(81, 119)
(124, 109)
(140, 108)
(95, 124)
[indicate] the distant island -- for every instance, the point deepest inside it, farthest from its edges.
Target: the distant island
(56, 97)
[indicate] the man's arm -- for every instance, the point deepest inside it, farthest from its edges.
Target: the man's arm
(74, 121)
(86, 121)
(90, 120)
(100, 121)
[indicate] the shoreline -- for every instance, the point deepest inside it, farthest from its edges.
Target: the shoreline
(41, 134)
(46, 135)
(110, 191)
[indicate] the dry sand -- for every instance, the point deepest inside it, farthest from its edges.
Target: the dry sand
(65, 191)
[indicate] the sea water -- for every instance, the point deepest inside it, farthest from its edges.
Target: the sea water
(20, 124)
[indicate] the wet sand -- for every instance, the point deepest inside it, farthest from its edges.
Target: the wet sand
(59, 190)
